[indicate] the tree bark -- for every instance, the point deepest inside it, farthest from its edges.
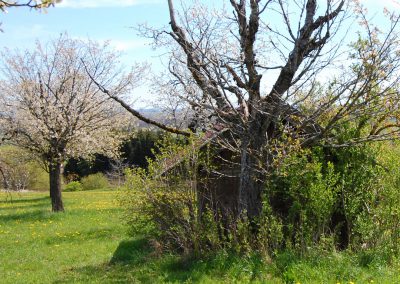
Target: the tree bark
(55, 187)
(253, 167)
(250, 200)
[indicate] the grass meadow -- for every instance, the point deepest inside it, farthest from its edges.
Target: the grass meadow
(89, 244)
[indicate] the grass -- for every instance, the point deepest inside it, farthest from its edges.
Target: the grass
(88, 244)
(37, 246)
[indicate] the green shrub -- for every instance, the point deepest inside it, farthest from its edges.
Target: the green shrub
(378, 227)
(325, 197)
(321, 199)
(303, 193)
(73, 186)
(164, 205)
(95, 181)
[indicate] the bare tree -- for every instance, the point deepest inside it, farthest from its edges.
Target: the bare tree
(52, 108)
(14, 168)
(253, 66)
(117, 172)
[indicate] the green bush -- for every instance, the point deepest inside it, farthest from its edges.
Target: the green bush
(378, 228)
(73, 186)
(302, 192)
(95, 181)
(164, 205)
(320, 199)
(327, 197)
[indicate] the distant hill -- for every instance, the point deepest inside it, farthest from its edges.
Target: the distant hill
(161, 116)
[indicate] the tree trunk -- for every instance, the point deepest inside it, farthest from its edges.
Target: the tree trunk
(55, 187)
(252, 176)
(255, 163)
(5, 181)
(250, 187)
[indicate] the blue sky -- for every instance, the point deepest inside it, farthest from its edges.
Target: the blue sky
(105, 20)
(101, 20)
(94, 19)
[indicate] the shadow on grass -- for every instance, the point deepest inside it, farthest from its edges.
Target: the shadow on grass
(134, 261)
(26, 216)
(139, 255)
(217, 266)
(24, 209)
(131, 252)
(17, 200)
(129, 258)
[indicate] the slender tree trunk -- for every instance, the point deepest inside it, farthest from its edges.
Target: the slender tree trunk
(5, 181)
(55, 186)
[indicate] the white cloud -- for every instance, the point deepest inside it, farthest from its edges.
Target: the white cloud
(102, 3)
(125, 45)
(23, 32)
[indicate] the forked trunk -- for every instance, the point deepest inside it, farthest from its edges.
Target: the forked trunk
(55, 187)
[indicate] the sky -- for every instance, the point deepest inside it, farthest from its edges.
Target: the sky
(95, 19)
(102, 20)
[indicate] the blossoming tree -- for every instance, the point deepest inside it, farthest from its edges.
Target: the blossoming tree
(52, 108)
